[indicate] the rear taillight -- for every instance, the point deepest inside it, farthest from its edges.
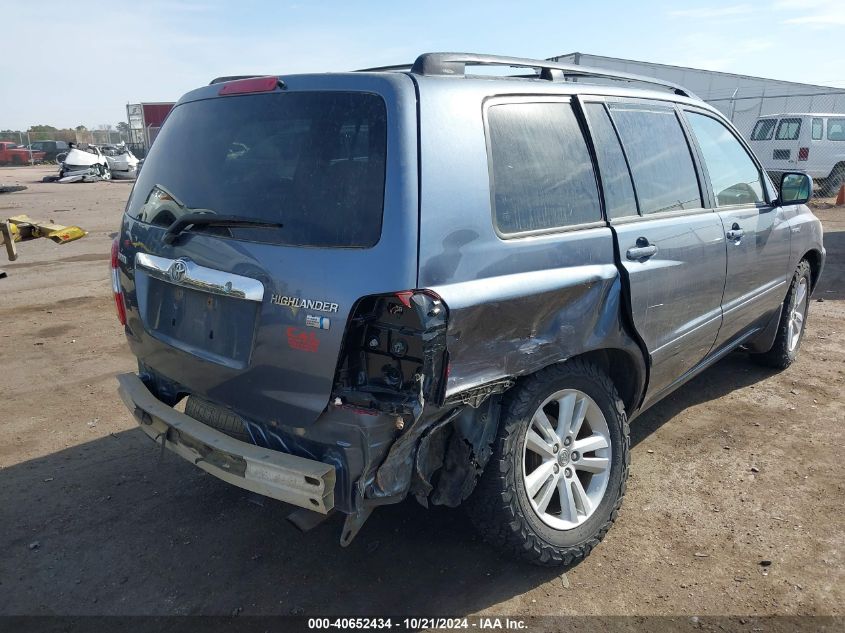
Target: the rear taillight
(394, 353)
(115, 283)
(405, 297)
(804, 153)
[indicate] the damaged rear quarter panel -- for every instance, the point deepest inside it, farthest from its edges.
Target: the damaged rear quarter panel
(516, 324)
(515, 305)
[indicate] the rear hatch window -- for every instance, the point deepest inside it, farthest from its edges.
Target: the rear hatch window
(313, 162)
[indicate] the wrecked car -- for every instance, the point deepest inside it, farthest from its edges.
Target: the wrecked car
(414, 281)
(121, 161)
(84, 160)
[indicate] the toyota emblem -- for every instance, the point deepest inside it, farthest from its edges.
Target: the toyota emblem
(177, 271)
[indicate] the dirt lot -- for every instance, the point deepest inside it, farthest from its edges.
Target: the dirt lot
(738, 467)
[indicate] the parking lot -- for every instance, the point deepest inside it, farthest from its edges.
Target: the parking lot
(734, 506)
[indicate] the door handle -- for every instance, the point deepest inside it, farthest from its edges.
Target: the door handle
(735, 233)
(642, 251)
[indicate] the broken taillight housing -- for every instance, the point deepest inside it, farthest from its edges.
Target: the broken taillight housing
(803, 153)
(394, 352)
(115, 283)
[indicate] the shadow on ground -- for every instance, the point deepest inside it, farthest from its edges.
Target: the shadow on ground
(104, 528)
(733, 372)
(831, 286)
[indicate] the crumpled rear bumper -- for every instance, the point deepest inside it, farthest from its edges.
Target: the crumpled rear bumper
(296, 480)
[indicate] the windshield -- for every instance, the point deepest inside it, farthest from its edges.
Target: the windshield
(311, 161)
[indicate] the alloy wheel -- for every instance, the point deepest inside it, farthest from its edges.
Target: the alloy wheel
(796, 315)
(566, 459)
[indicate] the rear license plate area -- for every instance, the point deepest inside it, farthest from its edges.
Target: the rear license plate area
(214, 327)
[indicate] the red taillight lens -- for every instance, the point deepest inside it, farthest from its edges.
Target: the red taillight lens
(405, 297)
(254, 84)
(115, 283)
(804, 153)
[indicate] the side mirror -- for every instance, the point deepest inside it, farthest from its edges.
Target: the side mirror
(795, 188)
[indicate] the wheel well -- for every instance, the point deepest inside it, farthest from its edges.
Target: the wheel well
(814, 258)
(622, 370)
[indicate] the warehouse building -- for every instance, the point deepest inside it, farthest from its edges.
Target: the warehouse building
(739, 97)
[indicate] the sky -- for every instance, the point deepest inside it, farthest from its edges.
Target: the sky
(82, 62)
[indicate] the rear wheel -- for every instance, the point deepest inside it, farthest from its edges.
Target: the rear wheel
(558, 472)
(105, 172)
(793, 320)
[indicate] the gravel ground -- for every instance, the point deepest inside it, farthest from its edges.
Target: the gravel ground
(734, 507)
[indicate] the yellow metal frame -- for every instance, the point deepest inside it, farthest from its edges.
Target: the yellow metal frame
(21, 228)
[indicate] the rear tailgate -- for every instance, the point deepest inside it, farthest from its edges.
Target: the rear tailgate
(254, 318)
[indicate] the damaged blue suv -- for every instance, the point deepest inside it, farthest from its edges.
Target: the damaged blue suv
(418, 281)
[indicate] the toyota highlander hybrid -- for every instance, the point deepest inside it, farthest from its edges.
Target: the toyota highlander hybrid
(419, 281)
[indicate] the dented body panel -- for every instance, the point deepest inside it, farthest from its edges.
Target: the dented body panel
(519, 304)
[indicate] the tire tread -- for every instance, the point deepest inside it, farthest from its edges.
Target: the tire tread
(216, 417)
(494, 508)
(779, 356)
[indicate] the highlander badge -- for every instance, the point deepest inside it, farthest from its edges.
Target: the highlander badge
(295, 303)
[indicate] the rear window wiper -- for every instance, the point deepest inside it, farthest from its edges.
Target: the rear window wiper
(210, 219)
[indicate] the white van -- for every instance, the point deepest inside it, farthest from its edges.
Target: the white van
(810, 142)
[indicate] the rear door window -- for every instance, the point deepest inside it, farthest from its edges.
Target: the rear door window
(734, 177)
(659, 157)
(619, 199)
(542, 175)
(788, 129)
(311, 161)
(763, 130)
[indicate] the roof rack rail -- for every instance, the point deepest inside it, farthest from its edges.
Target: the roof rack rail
(220, 80)
(452, 64)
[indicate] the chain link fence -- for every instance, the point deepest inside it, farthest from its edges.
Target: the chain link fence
(793, 131)
(790, 126)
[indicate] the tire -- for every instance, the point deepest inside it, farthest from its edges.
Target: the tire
(788, 340)
(217, 418)
(501, 508)
(104, 171)
(829, 187)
